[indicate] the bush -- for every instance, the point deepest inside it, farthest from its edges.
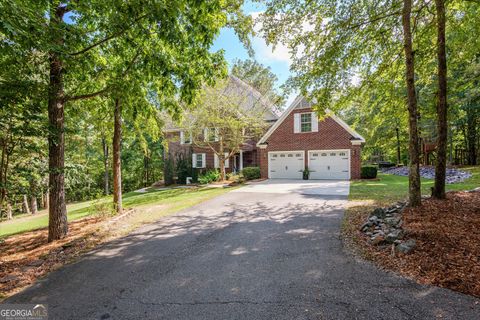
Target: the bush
(209, 176)
(251, 173)
(169, 171)
(368, 172)
(183, 167)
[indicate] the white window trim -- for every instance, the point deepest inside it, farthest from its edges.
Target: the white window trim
(194, 160)
(182, 138)
(300, 123)
(216, 161)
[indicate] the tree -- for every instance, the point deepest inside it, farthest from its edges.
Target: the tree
(72, 35)
(442, 127)
(415, 196)
(259, 77)
(226, 117)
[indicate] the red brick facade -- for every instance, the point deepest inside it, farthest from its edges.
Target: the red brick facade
(330, 136)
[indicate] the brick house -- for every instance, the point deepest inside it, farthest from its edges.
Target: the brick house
(295, 140)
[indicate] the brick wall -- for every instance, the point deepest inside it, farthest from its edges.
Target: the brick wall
(330, 136)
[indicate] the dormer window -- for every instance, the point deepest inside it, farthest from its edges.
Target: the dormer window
(185, 137)
(306, 122)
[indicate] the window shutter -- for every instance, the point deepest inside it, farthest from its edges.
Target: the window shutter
(182, 137)
(227, 161)
(194, 160)
(216, 161)
(205, 134)
(314, 122)
(296, 122)
(203, 160)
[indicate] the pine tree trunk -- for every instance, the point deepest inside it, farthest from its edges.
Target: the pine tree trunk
(33, 205)
(399, 158)
(117, 165)
(106, 188)
(25, 208)
(415, 197)
(221, 159)
(441, 165)
(46, 203)
(57, 220)
(471, 133)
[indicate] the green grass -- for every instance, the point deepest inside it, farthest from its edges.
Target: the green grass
(170, 201)
(390, 188)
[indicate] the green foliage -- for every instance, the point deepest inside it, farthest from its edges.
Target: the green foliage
(368, 172)
(251, 173)
(183, 167)
(169, 171)
(209, 177)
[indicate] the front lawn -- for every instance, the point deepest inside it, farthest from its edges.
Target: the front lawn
(170, 200)
(391, 188)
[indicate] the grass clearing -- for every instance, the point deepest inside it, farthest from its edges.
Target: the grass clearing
(172, 199)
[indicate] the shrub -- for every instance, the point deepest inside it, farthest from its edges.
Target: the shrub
(183, 167)
(368, 172)
(169, 171)
(209, 176)
(251, 173)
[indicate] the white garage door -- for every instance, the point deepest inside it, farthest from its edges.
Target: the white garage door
(286, 165)
(329, 164)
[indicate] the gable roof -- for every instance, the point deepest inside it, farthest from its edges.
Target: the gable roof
(237, 86)
(301, 103)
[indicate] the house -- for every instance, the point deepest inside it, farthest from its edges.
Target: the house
(295, 140)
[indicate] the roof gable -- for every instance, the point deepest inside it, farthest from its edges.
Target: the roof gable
(301, 103)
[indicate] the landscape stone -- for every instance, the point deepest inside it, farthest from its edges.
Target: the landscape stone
(406, 247)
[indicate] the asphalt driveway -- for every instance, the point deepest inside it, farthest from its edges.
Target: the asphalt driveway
(261, 253)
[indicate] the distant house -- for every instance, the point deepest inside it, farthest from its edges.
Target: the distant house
(295, 140)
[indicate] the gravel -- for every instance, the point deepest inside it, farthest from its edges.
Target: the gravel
(428, 172)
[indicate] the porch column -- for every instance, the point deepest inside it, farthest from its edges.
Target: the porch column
(240, 167)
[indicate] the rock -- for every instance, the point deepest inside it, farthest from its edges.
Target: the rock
(8, 278)
(379, 213)
(407, 246)
(36, 263)
(373, 219)
(392, 221)
(394, 235)
(377, 239)
(368, 233)
(366, 226)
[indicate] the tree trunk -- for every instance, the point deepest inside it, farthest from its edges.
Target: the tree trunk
(471, 134)
(33, 205)
(117, 164)
(25, 208)
(221, 159)
(106, 189)
(415, 197)
(57, 220)
(399, 159)
(46, 203)
(441, 165)
(9, 212)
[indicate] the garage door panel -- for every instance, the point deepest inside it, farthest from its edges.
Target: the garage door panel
(286, 165)
(329, 164)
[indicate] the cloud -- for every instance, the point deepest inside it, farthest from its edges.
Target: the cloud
(267, 53)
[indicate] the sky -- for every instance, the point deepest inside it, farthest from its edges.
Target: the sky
(278, 60)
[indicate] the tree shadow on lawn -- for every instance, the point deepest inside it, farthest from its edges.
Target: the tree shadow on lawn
(238, 256)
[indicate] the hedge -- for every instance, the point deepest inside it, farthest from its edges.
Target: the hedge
(251, 173)
(368, 172)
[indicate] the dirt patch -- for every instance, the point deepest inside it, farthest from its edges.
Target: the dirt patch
(447, 235)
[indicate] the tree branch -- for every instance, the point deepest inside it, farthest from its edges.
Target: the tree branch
(87, 96)
(114, 35)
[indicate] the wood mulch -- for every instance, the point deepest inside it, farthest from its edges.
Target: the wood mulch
(28, 256)
(447, 235)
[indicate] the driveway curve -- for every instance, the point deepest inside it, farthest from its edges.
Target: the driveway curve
(254, 253)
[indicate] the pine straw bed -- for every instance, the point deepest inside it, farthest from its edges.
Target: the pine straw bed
(447, 233)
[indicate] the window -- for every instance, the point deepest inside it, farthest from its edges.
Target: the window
(333, 154)
(185, 137)
(199, 160)
(342, 154)
(282, 155)
(290, 155)
(305, 122)
(324, 154)
(315, 155)
(274, 155)
(298, 155)
(210, 134)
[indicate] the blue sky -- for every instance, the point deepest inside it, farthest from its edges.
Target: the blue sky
(278, 60)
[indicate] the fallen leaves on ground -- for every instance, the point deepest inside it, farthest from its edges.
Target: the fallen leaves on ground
(447, 233)
(28, 256)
